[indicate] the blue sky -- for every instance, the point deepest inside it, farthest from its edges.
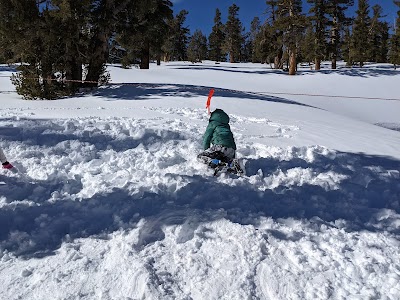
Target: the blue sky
(201, 13)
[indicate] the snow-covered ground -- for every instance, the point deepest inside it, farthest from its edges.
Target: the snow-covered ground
(110, 202)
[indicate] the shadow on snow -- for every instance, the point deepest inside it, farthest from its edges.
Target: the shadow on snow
(5, 68)
(33, 223)
(46, 133)
(133, 91)
(366, 71)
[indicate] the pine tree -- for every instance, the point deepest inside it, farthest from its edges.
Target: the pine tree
(216, 39)
(378, 36)
(395, 41)
(103, 18)
(360, 38)
(6, 49)
(233, 34)
(336, 9)
(319, 20)
(55, 38)
(275, 32)
(346, 45)
(264, 50)
(307, 46)
(272, 7)
(49, 41)
(175, 47)
(144, 30)
(255, 28)
(292, 23)
(383, 51)
(197, 49)
(246, 48)
(69, 20)
(18, 26)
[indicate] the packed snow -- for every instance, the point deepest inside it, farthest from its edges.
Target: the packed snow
(109, 201)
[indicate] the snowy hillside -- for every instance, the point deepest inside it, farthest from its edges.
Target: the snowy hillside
(110, 202)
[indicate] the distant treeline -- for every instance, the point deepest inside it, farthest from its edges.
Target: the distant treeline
(63, 45)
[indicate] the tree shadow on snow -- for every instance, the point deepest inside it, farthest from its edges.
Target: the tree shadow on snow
(47, 133)
(36, 216)
(366, 71)
(5, 68)
(131, 91)
(363, 202)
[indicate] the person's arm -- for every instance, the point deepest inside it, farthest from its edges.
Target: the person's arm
(208, 136)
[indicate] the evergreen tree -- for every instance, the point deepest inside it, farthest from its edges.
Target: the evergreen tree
(103, 18)
(378, 36)
(50, 41)
(264, 50)
(346, 45)
(275, 32)
(197, 49)
(233, 34)
(54, 38)
(6, 50)
(71, 22)
(272, 8)
(255, 28)
(383, 51)
(336, 9)
(360, 38)
(395, 41)
(307, 46)
(144, 30)
(175, 47)
(246, 49)
(292, 23)
(19, 21)
(319, 20)
(216, 39)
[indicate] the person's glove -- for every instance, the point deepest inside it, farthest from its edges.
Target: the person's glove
(7, 165)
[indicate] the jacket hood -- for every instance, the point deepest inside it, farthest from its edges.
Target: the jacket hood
(220, 116)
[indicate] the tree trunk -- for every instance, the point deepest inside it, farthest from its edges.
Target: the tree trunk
(98, 59)
(292, 62)
(145, 56)
(73, 75)
(334, 40)
(334, 63)
(292, 51)
(278, 59)
(317, 64)
(73, 69)
(99, 44)
(276, 62)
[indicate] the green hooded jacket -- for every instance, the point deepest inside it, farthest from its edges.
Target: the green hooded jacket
(218, 131)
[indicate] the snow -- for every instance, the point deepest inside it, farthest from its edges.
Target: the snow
(110, 202)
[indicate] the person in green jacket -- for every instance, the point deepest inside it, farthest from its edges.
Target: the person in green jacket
(218, 142)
